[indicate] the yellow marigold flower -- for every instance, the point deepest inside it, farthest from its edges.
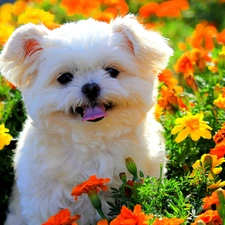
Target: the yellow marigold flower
(209, 163)
(6, 13)
(192, 125)
(4, 137)
(36, 16)
(5, 31)
(158, 111)
(216, 185)
(220, 102)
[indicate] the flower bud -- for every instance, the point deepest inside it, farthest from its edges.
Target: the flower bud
(123, 177)
(131, 166)
(221, 59)
(216, 91)
(220, 207)
(95, 200)
(208, 162)
(201, 222)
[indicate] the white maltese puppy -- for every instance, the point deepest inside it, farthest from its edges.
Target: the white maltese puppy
(89, 89)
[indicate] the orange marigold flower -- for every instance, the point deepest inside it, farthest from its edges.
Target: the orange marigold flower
(209, 35)
(148, 9)
(168, 9)
(182, 4)
(81, 7)
(209, 217)
(200, 57)
(221, 37)
(62, 218)
(219, 137)
(167, 77)
(169, 98)
(136, 217)
(19, 7)
(103, 222)
(185, 64)
(104, 16)
(220, 102)
(203, 36)
(219, 150)
(182, 46)
(211, 200)
(120, 5)
(191, 82)
(168, 221)
(94, 184)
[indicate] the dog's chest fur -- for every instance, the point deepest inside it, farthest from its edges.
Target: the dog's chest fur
(58, 157)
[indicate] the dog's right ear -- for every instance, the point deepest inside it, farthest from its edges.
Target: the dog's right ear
(20, 56)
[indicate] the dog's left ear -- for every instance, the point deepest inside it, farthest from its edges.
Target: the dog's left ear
(148, 46)
(20, 56)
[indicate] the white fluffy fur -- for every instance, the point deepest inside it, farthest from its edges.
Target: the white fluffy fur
(56, 150)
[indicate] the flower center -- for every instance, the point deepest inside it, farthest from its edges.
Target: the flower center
(193, 124)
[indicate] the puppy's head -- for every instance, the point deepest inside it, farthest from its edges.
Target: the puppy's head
(86, 72)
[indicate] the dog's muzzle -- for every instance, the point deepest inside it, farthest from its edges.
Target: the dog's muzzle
(92, 112)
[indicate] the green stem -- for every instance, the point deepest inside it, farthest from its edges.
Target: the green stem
(100, 212)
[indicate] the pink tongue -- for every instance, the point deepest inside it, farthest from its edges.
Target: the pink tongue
(92, 113)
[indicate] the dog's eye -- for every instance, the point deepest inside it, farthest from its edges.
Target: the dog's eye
(65, 78)
(112, 72)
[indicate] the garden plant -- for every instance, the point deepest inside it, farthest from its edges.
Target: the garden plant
(191, 108)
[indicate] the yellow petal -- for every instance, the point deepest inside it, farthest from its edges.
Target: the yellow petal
(207, 134)
(177, 129)
(195, 136)
(182, 135)
(217, 170)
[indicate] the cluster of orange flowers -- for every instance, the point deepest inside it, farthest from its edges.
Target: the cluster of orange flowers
(22, 12)
(111, 8)
(137, 216)
(219, 139)
(210, 216)
(170, 94)
(126, 216)
(171, 8)
(196, 60)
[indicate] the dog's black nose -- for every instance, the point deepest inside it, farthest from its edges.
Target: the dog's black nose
(91, 90)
